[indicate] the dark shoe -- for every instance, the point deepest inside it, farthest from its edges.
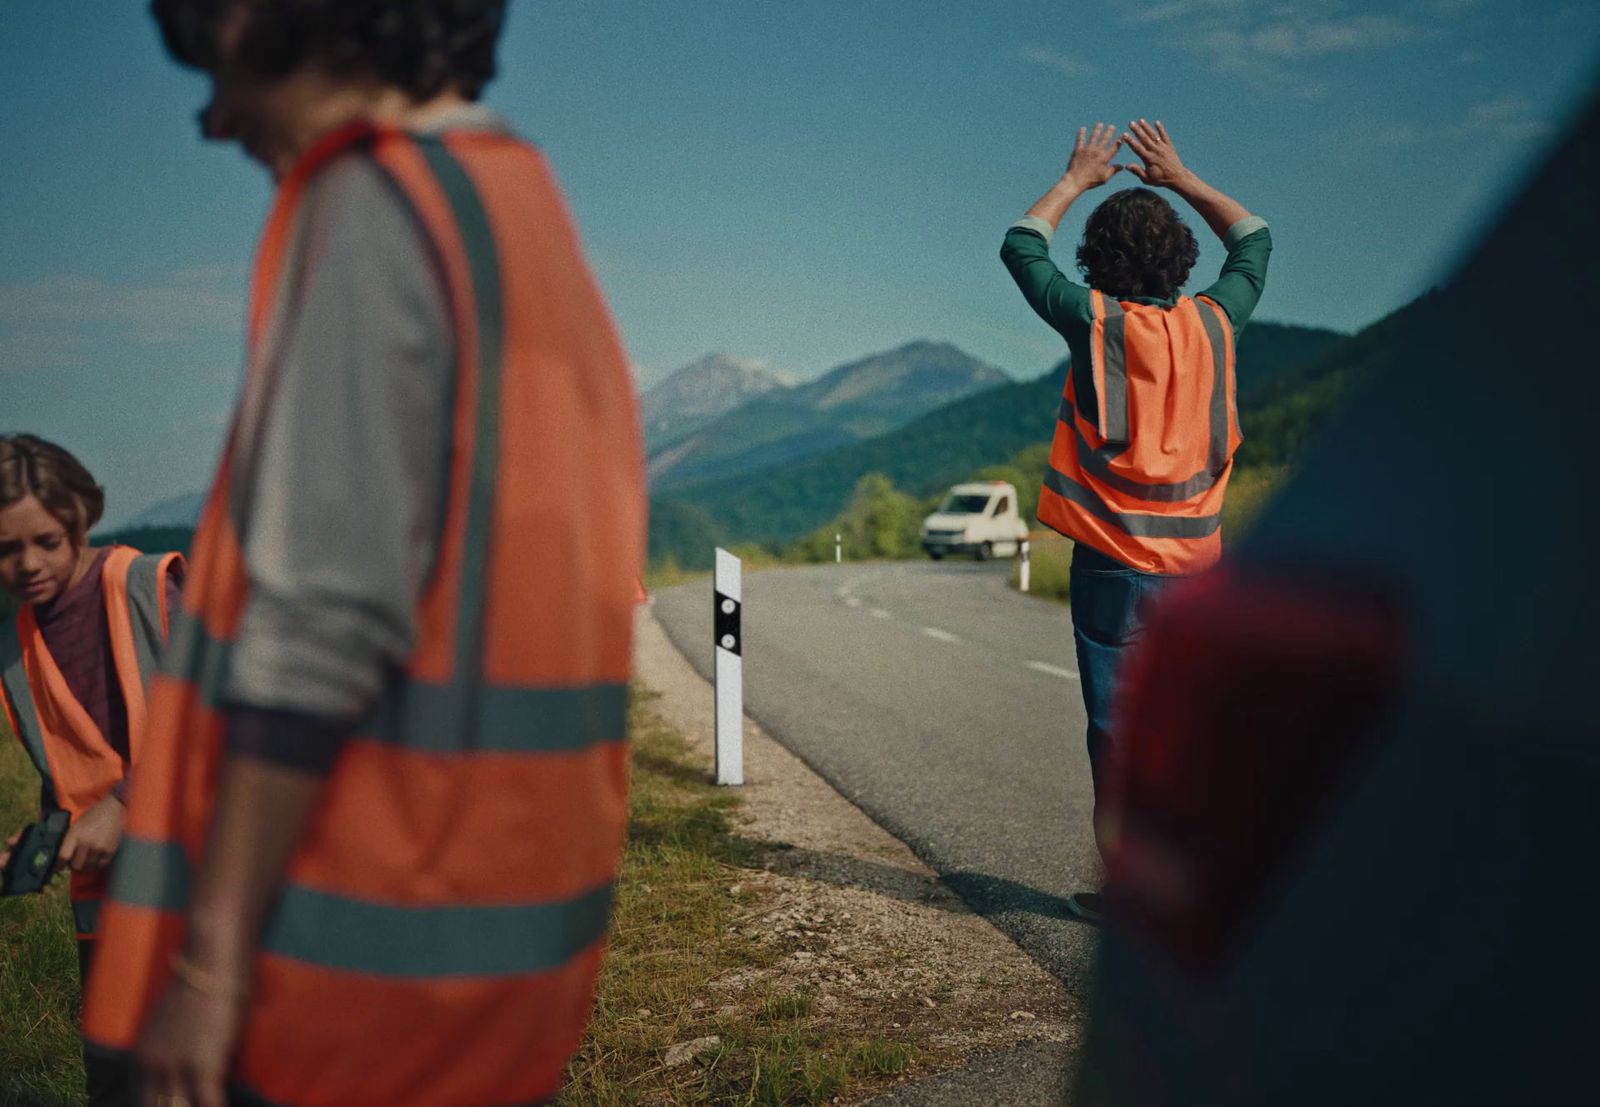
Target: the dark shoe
(1086, 906)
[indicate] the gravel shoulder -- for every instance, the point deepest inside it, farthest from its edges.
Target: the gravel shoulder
(870, 930)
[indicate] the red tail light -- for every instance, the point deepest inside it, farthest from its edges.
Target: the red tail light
(1247, 702)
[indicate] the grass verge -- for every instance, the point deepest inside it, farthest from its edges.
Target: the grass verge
(40, 1063)
(1049, 566)
(661, 1033)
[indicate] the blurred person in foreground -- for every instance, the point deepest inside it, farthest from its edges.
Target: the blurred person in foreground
(1147, 428)
(1340, 716)
(371, 856)
(74, 663)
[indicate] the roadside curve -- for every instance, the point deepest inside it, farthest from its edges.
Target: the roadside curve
(870, 934)
(966, 744)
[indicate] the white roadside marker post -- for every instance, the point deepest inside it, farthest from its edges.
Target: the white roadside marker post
(1022, 572)
(726, 621)
(838, 549)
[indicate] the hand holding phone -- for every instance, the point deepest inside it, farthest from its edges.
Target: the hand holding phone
(33, 858)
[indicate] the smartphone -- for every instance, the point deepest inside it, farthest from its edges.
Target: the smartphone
(33, 858)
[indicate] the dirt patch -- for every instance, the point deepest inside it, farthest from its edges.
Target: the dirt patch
(865, 932)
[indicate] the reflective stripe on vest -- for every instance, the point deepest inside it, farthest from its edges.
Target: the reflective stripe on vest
(76, 763)
(20, 710)
(1143, 478)
(456, 885)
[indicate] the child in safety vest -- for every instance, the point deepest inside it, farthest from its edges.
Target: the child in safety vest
(74, 662)
(1145, 434)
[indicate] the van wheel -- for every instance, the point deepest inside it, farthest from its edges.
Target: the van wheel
(936, 555)
(986, 551)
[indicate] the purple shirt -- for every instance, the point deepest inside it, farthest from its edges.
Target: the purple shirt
(78, 636)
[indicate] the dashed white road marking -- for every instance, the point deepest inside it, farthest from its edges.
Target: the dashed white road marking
(941, 635)
(879, 613)
(1053, 670)
(852, 601)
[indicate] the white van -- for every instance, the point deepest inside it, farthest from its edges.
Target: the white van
(979, 518)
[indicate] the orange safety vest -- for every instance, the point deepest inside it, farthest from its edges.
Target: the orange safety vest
(1138, 468)
(76, 762)
(439, 933)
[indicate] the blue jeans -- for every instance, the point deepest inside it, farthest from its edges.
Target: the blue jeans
(1108, 600)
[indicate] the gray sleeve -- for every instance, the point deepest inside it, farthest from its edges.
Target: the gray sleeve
(347, 477)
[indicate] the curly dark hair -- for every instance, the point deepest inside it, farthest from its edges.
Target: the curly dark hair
(421, 46)
(1134, 244)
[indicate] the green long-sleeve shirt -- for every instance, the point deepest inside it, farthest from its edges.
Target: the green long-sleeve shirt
(1065, 305)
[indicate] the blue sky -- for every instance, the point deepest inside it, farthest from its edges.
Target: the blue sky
(798, 183)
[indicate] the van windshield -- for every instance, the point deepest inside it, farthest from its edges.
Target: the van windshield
(964, 503)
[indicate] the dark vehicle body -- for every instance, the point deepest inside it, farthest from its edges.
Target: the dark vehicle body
(1395, 896)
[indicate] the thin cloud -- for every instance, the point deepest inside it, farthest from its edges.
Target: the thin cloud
(60, 321)
(1266, 45)
(1237, 54)
(31, 350)
(1309, 38)
(1399, 134)
(1182, 9)
(1292, 40)
(1511, 117)
(1055, 59)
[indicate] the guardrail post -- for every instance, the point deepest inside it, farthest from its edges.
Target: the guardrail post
(838, 549)
(1022, 572)
(727, 627)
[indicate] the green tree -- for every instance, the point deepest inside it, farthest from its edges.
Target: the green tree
(684, 534)
(880, 521)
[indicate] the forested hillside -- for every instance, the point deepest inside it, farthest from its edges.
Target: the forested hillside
(149, 539)
(780, 504)
(1286, 409)
(1289, 378)
(853, 402)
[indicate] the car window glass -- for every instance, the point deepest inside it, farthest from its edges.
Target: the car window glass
(964, 504)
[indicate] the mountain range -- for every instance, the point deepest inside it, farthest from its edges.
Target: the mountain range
(1277, 366)
(691, 397)
(719, 417)
(775, 460)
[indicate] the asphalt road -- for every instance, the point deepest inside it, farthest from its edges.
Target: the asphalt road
(943, 704)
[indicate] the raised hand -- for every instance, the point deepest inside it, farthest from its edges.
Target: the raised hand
(1090, 166)
(1162, 167)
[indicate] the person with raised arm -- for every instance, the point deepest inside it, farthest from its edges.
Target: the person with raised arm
(1147, 427)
